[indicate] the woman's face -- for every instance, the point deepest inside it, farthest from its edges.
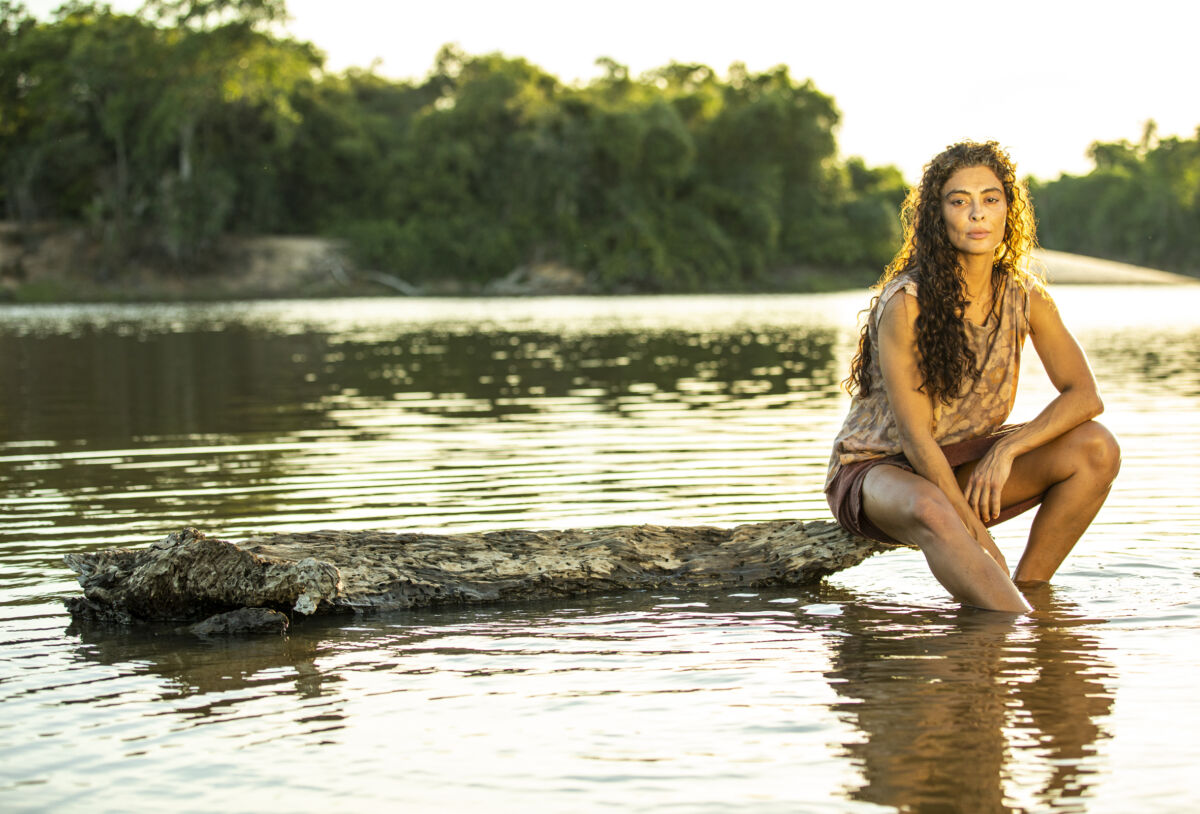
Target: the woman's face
(974, 209)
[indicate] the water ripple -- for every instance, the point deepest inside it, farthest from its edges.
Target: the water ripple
(871, 690)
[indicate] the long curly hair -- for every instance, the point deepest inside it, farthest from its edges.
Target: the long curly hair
(927, 255)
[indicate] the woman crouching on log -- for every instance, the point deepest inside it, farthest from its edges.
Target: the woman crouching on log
(924, 457)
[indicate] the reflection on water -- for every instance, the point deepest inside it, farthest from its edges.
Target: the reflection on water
(968, 711)
(872, 691)
(261, 425)
(935, 710)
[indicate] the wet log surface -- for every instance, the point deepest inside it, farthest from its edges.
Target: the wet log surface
(189, 575)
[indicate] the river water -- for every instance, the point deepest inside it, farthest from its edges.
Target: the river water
(870, 692)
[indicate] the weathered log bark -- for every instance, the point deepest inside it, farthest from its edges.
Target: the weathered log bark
(189, 576)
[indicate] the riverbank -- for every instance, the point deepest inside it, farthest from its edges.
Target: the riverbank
(56, 264)
(48, 263)
(1077, 269)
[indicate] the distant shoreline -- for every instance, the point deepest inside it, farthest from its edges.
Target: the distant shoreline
(1077, 269)
(54, 264)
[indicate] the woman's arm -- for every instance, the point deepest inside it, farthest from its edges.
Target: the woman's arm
(1078, 401)
(898, 361)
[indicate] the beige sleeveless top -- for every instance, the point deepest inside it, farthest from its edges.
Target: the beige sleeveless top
(870, 429)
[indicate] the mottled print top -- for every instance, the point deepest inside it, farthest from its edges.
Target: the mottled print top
(870, 429)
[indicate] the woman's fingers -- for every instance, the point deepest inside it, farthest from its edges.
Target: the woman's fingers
(990, 500)
(985, 487)
(977, 493)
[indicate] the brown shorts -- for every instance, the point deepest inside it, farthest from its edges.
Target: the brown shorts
(845, 492)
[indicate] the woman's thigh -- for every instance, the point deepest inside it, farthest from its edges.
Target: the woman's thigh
(1053, 462)
(903, 503)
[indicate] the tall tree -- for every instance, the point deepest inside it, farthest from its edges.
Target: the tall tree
(1140, 204)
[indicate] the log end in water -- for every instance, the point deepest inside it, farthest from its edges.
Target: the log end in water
(189, 575)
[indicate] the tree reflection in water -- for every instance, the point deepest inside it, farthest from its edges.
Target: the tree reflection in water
(968, 710)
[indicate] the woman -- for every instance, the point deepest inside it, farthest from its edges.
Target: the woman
(923, 458)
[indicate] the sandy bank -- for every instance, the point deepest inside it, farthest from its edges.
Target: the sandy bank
(1077, 269)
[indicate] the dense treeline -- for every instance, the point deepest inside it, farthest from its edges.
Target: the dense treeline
(158, 136)
(1141, 204)
(166, 129)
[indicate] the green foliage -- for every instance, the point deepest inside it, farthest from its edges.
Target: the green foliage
(1141, 204)
(161, 138)
(166, 129)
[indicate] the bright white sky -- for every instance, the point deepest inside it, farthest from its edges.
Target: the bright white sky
(1045, 78)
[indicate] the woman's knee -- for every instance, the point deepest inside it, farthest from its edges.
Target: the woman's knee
(1099, 451)
(909, 508)
(931, 512)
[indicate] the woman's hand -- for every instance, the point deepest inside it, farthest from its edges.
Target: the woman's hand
(986, 542)
(986, 485)
(982, 536)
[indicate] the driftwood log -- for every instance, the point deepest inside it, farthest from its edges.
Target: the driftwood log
(189, 576)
